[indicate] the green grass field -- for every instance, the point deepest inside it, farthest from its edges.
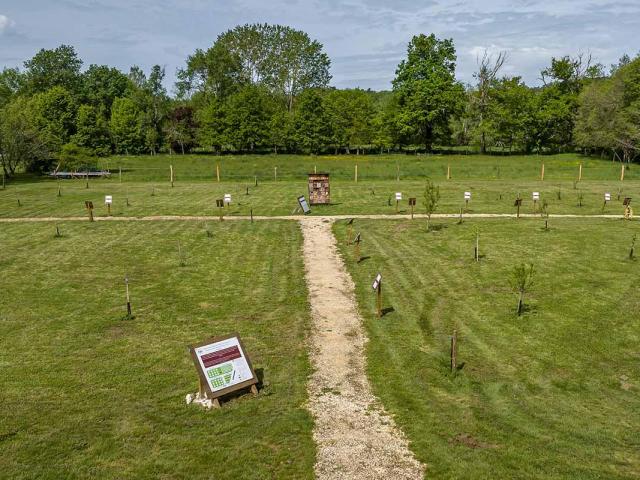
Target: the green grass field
(493, 181)
(88, 394)
(550, 395)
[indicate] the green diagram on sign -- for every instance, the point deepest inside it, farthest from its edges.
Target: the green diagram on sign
(221, 376)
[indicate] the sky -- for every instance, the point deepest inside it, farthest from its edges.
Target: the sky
(365, 39)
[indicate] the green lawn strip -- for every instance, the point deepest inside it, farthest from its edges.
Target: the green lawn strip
(493, 181)
(540, 396)
(88, 394)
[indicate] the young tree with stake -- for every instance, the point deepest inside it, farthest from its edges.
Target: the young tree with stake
(431, 198)
(521, 281)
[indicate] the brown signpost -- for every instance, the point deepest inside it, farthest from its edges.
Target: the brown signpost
(518, 204)
(223, 367)
(377, 287)
(412, 204)
(319, 191)
(220, 205)
(89, 206)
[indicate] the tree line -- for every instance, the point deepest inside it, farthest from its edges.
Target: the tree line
(265, 88)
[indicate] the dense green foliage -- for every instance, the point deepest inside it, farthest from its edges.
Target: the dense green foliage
(263, 87)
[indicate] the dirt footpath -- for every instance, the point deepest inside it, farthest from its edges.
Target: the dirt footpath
(356, 439)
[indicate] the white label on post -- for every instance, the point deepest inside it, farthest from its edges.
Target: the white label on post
(398, 196)
(607, 197)
(376, 282)
(536, 195)
(227, 198)
(467, 195)
(108, 199)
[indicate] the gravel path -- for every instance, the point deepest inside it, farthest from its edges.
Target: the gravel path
(356, 439)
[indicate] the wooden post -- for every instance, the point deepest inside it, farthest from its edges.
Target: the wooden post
(126, 283)
(355, 176)
(460, 220)
(218, 171)
(518, 212)
(315, 170)
(448, 172)
(171, 174)
(87, 179)
(379, 299)
(397, 172)
(454, 348)
(477, 249)
(580, 172)
(256, 180)
(542, 173)
(251, 213)
(59, 190)
(275, 174)
(90, 214)
(58, 232)
(412, 211)
(397, 205)
(109, 209)
(622, 173)
(120, 174)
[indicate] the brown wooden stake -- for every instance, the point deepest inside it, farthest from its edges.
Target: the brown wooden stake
(397, 205)
(218, 171)
(379, 299)
(580, 172)
(126, 283)
(87, 180)
(171, 174)
(120, 174)
(108, 209)
(91, 214)
(622, 173)
(251, 215)
(542, 173)
(315, 170)
(254, 389)
(477, 247)
(355, 175)
(448, 172)
(412, 211)
(454, 348)
(518, 212)
(275, 174)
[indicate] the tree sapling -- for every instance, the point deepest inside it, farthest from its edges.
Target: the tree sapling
(521, 281)
(431, 198)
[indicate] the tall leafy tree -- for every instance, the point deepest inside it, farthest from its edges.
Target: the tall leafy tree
(126, 127)
(22, 144)
(92, 131)
(428, 93)
(311, 122)
(59, 67)
(54, 113)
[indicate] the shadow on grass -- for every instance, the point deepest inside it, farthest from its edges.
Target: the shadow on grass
(362, 259)
(387, 310)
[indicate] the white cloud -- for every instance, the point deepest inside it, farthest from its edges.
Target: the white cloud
(5, 23)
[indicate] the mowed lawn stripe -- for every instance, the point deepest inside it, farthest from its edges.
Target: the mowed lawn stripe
(547, 395)
(86, 393)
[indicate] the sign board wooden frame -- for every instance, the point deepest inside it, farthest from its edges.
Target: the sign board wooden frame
(219, 203)
(412, 202)
(626, 201)
(219, 357)
(319, 189)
